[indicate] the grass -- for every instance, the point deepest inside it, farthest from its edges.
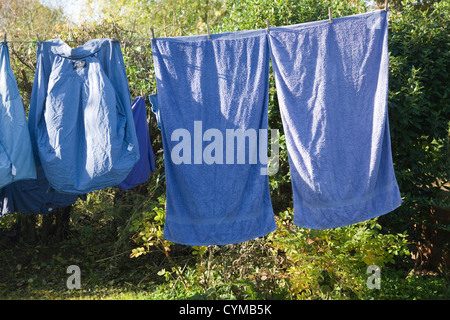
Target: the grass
(39, 273)
(291, 263)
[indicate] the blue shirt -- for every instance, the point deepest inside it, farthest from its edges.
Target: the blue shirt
(80, 118)
(16, 156)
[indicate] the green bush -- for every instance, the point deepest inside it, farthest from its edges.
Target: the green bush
(148, 227)
(419, 101)
(332, 263)
(419, 114)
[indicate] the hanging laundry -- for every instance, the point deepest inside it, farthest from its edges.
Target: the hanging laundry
(80, 118)
(146, 164)
(211, 105)
(332, 86)
(16, 156)
(34, 196)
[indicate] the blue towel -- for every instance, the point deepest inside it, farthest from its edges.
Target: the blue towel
(332, 86)
(206, 87)
(80, 118)
(16, 156)
(146, 164)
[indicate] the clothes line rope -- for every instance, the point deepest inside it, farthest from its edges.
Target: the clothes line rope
(38, 41)
(153, 38)
(75, 41)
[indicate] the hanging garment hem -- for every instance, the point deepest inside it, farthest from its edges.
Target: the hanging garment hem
(329, 218)
(218, 234)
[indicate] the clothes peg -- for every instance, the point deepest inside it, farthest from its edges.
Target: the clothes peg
(39, 40)
(207, 27)
(4, 37)
(268, 26)
(385, 5)
(330, 15)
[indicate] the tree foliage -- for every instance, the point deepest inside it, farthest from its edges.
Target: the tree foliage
(419, 109)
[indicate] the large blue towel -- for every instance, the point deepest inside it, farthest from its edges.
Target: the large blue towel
(16, 156)
(332, 85)
(80, 120)
(207, 91)
(146, 164)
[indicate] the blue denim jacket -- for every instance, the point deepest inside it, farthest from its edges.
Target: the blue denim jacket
(16, 156)
(80, 118)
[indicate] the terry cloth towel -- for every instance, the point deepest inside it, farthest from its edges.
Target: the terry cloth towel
(16, 156)
(33, 196)
(332, 86)
(206, 90)
(80, 118)
(146, 164)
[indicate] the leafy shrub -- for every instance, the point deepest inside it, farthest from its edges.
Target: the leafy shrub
(419, 101)
(148, 229)
(247, 270)
(332, 263)
(419, 114)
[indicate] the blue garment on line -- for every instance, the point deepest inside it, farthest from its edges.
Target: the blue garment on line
(204, 88)
(80, 118)
(33, 196)
(146, 164)
(332, 86)
(16, 156)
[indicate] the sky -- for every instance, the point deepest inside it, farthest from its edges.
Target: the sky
(75, 10)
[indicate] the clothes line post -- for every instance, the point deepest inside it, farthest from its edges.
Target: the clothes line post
(153, 34)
